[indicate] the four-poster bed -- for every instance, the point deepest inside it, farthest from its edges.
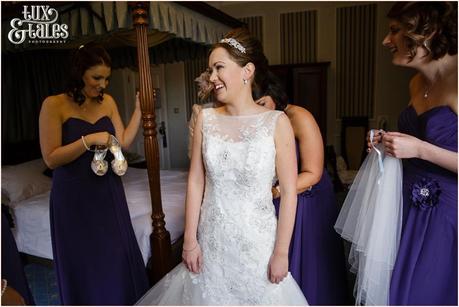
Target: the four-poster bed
(154, 23)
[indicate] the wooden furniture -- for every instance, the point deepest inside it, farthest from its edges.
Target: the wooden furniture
(306, 86)
(353, 140)
(160, 240)
(332, 169)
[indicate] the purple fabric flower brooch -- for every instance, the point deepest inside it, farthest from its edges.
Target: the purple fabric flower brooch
(425, 193)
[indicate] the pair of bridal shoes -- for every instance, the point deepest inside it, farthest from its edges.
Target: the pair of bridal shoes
(98, 165)
(119, 164)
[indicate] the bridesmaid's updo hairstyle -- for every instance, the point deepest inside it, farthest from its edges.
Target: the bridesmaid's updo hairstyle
(245, 48)
(421, 19)
(85, 57)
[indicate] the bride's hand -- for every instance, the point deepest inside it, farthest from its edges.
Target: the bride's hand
(192, 258)
(277, 267)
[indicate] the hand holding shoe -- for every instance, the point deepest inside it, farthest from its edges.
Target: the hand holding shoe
(98, 164)
(98, 138)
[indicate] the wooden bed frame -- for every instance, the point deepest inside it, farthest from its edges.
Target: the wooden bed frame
(164, 255)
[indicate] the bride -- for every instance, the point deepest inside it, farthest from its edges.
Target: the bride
(235, 252)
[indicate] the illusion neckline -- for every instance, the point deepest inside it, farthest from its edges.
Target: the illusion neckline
(238, 116)
(86, 121)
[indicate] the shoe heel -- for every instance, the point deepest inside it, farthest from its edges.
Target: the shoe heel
(119, 163)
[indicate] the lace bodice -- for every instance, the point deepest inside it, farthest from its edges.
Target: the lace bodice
(239, 155)
(237, 228)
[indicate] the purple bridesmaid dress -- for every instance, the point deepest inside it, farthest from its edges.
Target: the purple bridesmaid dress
(96, 255)
(12, 268)
(425, 271)
(316, 257)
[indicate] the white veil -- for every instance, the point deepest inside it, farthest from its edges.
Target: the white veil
(371, 219)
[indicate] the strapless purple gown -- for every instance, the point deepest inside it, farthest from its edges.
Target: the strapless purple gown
(96, 255)
(425, 271)
(316, 257)
(12, 267)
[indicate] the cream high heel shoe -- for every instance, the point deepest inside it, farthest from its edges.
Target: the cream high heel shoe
(119, 163)
(98, 165)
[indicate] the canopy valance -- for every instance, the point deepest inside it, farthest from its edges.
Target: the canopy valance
(111, 22)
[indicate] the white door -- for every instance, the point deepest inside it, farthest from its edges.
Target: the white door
(157, 77)
(123, 87)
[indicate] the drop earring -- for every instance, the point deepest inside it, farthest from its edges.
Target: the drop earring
(426, 45)
(245, 81)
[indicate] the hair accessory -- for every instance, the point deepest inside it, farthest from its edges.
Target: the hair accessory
(234, 43)
(81, 46)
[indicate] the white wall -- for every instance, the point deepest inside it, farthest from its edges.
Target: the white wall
(391, 83)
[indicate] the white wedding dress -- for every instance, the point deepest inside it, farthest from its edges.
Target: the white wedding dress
(237, 225)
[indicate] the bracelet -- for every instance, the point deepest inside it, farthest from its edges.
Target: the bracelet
(4, 286)
(190, 250)
(84, 143)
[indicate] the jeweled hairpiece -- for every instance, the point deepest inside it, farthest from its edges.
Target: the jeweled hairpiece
(234, 43)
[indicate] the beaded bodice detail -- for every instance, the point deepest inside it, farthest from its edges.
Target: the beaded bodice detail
(237, 227)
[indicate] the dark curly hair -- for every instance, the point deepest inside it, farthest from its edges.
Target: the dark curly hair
(85, 57)
(253, 54)
(272, 87)
(421, 19)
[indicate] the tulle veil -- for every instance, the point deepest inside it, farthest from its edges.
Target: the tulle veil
(371, 219)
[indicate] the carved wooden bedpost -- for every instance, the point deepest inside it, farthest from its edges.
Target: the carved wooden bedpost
(160, 261)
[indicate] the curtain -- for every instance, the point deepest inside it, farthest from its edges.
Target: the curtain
(298, 37)
(27, 79)
(355, 60)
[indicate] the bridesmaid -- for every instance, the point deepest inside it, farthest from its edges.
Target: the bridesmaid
(423, 36)
(316, 257)
(15, 289)
(96, 255)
